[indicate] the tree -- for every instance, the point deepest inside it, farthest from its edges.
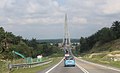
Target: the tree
(2, 33)
(116, 29)
(33, 43)
(100, 37)
(84, 45)
(105, 35)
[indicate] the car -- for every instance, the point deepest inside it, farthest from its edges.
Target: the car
(69, 61)
(67, 55)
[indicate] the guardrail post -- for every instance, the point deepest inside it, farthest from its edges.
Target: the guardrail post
(10, 67)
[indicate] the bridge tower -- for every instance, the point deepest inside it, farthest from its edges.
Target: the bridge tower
(66, 39)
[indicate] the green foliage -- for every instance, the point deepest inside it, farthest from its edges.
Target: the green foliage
(28, 48)
(116, 29)
(38, 68)
(100, 37)
(103, 58)
(3, 67)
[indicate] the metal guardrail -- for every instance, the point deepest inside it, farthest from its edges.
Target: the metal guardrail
(24, 65)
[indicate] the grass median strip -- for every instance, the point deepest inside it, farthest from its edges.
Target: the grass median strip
(38, 68)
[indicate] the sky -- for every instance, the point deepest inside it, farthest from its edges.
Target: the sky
(44, 19)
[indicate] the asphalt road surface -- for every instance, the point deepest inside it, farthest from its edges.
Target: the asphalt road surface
(81, 67)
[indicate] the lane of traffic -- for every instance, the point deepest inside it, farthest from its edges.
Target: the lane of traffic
(61, 69)
(81, 67)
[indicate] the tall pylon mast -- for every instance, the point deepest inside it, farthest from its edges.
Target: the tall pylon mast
(66, 39)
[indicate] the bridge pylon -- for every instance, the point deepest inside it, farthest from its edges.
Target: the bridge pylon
(66, 39)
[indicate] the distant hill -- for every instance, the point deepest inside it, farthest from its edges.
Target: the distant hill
(57, 40)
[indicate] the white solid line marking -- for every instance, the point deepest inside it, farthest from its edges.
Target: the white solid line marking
(107, 67)
(83, 69)
(54, 66)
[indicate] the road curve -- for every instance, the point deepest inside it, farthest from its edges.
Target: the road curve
(81, 67)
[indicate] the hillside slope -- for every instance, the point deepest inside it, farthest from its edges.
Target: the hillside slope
(110, 46)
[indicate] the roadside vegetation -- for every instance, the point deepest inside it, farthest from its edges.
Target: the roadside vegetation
(103, 40)
(28, 48)
(103, 58)
(102, 47)
(3, 67)
(38, 68)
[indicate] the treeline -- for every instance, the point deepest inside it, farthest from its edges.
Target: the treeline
(57, 40)
(29, 48)
(100, 37)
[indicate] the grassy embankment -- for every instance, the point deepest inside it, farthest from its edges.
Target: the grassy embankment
(105, 54)
(4, 63)
(38, 68)
(102, 59)
(4, 66)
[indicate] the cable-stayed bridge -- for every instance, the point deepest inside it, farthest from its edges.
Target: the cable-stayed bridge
(66, 40)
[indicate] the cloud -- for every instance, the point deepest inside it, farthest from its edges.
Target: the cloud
(34, 21)
(111, 7)
(2, 3)
(78, 20)
(41, 15)
(43, 21)
(33, 7)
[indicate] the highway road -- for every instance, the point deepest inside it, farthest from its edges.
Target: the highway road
(81, 67)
